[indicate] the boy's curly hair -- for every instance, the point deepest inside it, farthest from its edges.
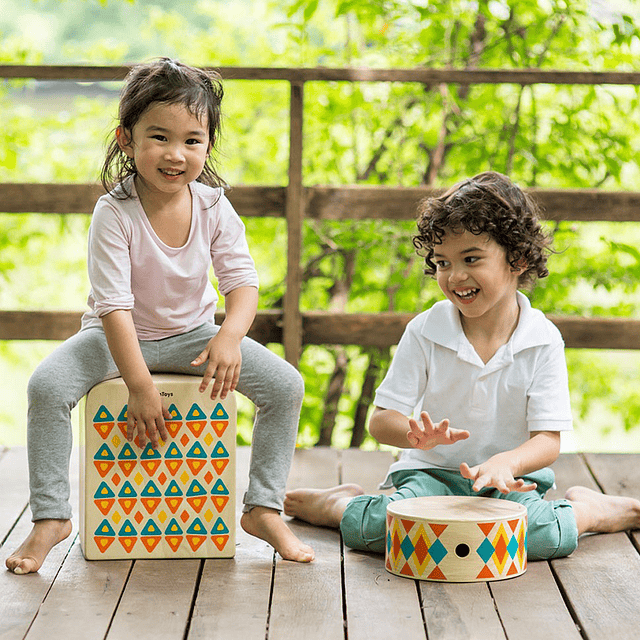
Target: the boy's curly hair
(165, 81)
(487, 203)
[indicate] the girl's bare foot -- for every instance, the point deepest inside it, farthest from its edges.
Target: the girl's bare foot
(323, 507)
(267, 525)
(30, 555)
(600, 513)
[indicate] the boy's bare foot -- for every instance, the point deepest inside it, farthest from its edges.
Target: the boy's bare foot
(30, 555)
(323, 507)
(267, 525)
(600, 513)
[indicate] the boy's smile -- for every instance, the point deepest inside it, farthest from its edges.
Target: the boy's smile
(473, 272)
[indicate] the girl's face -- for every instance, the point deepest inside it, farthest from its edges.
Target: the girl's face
(169, 145)
(473, 272)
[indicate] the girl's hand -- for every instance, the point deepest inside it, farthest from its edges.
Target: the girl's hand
(146, 415)
(225, 362)
(430, 435)
(494, 473)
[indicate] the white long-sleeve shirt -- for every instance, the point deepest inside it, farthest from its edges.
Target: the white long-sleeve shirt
(167, 289)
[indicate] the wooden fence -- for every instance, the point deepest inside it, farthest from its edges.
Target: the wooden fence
(296, 202)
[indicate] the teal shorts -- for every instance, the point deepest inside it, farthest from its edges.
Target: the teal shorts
(552, 529)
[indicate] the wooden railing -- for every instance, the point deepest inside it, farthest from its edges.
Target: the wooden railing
(297, 202)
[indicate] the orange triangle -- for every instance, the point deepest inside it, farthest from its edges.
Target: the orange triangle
(123, 428)
(173, 427)
(196, 427)
(406, 570)
(197, 502)
(103, 428)
(220, 502)
(126, 466)
(127, 504)
(407, 524)
(173, 504)
(436, 574)
(220, 464)
(104, 505)
(128, 543)
(150, 466)
(220, 541)
(485, 574)
(195, 465)
(438, 528)
(512, 569)
(150, 504)
(103, 543)
(150, 542)
(174, 542)
(173, 465)
(513, 524)
(486, 527)
(103, 466)
(220, 426)
(195, 541)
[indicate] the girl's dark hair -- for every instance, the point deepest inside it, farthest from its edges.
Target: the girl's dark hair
(170, 82)
(487, 203)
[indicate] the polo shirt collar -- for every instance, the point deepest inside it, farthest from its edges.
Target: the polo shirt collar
(442, 325)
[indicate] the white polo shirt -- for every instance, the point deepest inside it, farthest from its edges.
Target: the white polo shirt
(523, 388)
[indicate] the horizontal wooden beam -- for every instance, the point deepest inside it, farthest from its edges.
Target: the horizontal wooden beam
(332, 203)
(319, 327)
(351, 74)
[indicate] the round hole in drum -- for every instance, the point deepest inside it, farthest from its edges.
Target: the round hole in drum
(462, 550)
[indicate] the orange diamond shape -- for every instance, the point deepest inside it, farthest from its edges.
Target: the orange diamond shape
(184, 516)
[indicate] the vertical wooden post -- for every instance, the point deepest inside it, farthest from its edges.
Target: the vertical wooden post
(292, 328)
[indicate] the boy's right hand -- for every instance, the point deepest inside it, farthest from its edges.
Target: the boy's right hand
(146, 415)
(430, 435)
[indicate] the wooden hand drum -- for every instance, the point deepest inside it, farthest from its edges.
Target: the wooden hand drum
(456, 538)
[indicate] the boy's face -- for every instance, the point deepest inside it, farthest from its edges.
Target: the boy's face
(473, 272)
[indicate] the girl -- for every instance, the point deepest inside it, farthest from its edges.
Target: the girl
(152, 241)
(485, 378)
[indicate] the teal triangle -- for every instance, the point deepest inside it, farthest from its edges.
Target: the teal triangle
(127, 453)
(196, 451)
(196, 413)
(103, 415)
(127, 491)
(174, 413)
(219, 451)
(150, 453)
(173, 528)
(197, 528)
(104, 491)
(104, 453)
(127, 530)
(219, 527)
(105, 529)
(196, 489)
(219, 413)
(173, 489)
(220, 488)
(123, 414)
(173, 451)
(150, 490)
(150, 529)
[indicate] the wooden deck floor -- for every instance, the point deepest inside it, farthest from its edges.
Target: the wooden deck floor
(593, 594)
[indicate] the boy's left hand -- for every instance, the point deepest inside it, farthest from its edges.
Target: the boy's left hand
(493, 474)
(225, 362)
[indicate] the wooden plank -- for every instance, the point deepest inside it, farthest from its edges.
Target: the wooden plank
(233, 597)
(307, 598)
(379, 604)
(262, 201)
(14, 480)
(353, 74)
(292, 327)
(600, 579)
(324, 327)
(349, 202)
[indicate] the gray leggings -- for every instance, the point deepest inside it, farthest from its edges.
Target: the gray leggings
(67, 374)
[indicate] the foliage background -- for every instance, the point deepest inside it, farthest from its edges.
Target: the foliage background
(368, 133)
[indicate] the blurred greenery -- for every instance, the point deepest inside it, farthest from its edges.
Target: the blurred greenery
(549, 136)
